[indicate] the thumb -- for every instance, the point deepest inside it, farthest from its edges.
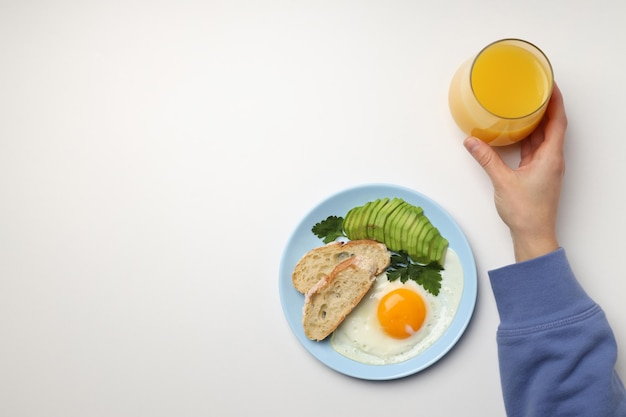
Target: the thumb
(486, 156)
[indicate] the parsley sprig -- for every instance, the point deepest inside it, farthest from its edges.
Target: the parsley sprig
(403, 268)
(330, 229)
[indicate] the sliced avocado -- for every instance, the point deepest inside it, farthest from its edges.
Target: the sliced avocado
(399, 227)
(418, 255)
(348, 221)
(425, 244)
(438, 247)
(396, 224)
(431, 250)
(417, 210)
(382, 217)
(407, 225)
(393, 226)
(352, 221)
(416, 232)
(363, 218)
(410, 227)
(368, 209)
(441, 250)
(371, 226)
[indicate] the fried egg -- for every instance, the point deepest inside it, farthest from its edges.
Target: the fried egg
(397, 321)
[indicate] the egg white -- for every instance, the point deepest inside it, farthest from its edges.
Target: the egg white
(360, 336)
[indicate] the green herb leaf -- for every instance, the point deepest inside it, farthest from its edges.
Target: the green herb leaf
(403, 268)
(330, 229)
(431, 280)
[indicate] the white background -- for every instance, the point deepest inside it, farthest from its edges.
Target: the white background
(155, 157)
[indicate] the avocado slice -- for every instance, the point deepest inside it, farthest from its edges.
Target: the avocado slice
(417, 217)
(382, 217)
(387, 237)
(371, 224)
(363, 218)
(351, 226)
(427, 227)
(416, 233)
(348, 221)
(441, 250)
(406, 227)
(422, 249)
(424, 240)
(401, 228)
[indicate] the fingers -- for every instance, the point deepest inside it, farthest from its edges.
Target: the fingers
(556, 107)
(544, 144)
(487, 157)
(556, 123)
(551, 130)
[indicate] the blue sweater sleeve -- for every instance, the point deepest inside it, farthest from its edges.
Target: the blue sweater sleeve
(556, 349)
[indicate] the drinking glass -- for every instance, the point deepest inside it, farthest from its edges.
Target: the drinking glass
(501, 94)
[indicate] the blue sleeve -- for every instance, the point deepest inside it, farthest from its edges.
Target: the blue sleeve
(556, 349)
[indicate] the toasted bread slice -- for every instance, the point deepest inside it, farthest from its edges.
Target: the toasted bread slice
(329, 301)
(319, 262)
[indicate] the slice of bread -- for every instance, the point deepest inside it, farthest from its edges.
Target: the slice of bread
(329, 301)
(319, 262)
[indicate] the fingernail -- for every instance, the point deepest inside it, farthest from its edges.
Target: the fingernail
(471, 143)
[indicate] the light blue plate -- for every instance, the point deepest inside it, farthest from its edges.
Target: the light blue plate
(303, 240)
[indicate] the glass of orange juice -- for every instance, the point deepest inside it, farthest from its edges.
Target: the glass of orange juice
(501, 94)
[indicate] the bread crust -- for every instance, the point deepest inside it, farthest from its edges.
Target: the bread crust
(333, 297)
(320, 262)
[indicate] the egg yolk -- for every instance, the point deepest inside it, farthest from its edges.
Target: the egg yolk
(401, 313)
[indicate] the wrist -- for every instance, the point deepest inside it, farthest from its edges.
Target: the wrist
(529, 247)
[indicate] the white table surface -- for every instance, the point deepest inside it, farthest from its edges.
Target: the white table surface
(156, 156)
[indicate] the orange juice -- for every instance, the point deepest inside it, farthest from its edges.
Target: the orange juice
(509, 81)
(501, 95)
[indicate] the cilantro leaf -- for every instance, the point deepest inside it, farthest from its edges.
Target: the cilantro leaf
(431, 280)
(403, 268)
(330, 229)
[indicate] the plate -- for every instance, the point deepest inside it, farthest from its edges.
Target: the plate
(302, 240)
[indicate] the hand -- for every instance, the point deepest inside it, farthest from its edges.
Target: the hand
(527, 198)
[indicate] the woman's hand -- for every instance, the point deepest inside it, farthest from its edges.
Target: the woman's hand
(527, 198)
